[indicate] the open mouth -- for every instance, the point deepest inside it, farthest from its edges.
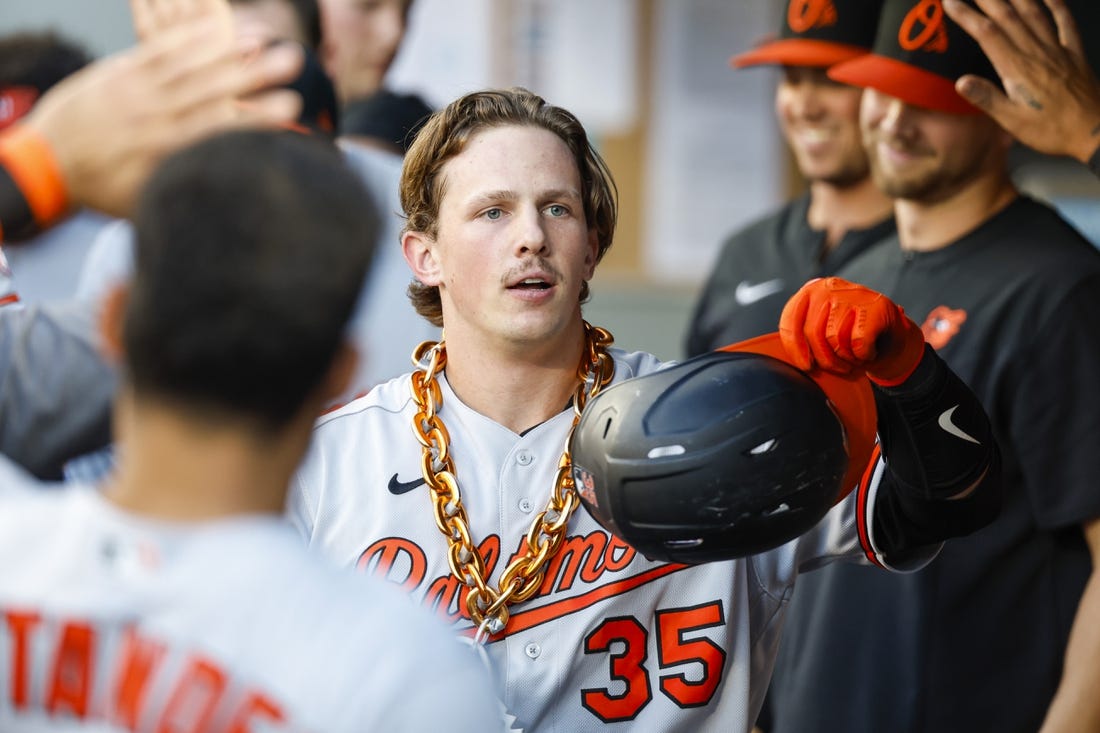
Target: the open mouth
(531, 283)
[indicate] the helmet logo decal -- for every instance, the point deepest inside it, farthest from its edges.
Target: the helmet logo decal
(802, 15)
(923, 28)
(586, 484)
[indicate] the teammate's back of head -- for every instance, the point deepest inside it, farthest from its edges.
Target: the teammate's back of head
(251, 248)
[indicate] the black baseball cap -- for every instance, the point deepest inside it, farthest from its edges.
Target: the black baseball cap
(387, 115)
(918, 54)
(320, 113)
(818, 33)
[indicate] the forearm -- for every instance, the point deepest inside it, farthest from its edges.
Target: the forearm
(1076, 706)
(943, 465)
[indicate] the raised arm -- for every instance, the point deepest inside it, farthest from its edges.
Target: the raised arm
(1051, 97)
(942, 469)
(93, 138)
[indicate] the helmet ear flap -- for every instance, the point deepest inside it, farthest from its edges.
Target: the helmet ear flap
(718, 457)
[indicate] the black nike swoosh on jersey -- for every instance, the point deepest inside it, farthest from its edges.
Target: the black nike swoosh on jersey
(403, 487)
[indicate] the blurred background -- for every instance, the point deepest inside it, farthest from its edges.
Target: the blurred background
(693, 144)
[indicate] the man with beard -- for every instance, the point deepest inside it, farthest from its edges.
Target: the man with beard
(993, 635)
(841, 215)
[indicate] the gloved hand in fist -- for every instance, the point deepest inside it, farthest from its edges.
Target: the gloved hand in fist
(839, 326)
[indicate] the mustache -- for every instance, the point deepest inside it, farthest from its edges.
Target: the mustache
(532, 264)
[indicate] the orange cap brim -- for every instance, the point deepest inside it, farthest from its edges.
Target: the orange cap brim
(798, 52)
(910, 84)
(851, 397)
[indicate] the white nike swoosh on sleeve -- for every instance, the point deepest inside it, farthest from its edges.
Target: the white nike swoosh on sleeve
(950, 427)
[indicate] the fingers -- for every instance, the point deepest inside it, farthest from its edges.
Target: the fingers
(1068, 34)
(1006, 23)
(208, 72)
(841, 334)
(269, 108)
(997, 46)
(152, 18)
(239, 96)
(823, 322)
(792, 330)
(1030, 14)
(142, 15)
(986, 96)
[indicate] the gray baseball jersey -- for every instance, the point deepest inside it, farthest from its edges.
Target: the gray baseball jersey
(611, 640)
(112, 622)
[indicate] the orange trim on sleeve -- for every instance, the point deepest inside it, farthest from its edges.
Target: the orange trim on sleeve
(30, 161)
(861, 507)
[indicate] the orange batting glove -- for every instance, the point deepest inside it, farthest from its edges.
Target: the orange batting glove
(838, 326)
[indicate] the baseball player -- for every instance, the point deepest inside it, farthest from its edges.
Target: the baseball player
(452, 482)
(385, 326)
(91, 141)
(841, 214)
(176, 596)
(1009, 294)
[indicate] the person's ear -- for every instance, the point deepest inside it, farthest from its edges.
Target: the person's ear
(421, 254)
(112, 319)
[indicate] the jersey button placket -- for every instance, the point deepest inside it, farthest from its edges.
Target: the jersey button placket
(523, 459)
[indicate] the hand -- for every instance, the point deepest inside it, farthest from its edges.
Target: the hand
(838, 326)
(154, 17)
(110, 123)
(1051, 100)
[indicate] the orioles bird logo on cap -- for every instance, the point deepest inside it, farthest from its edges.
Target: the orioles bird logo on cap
(923, 28)
(802, 15)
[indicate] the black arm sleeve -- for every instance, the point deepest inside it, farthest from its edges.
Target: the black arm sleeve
(16, 219)
(937, 442)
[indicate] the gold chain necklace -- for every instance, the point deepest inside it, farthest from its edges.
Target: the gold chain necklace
(488, 606)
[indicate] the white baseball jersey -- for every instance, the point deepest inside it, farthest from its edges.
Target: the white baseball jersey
(109, 622)
(612, 641)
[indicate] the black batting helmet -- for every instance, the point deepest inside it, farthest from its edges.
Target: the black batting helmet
(721, 456)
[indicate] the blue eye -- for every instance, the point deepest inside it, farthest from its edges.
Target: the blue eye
(557, 210)
(493, 214)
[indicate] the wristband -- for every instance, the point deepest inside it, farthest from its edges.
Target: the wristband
(29, 160)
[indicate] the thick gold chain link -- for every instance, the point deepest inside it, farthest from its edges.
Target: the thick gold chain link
(488, 606)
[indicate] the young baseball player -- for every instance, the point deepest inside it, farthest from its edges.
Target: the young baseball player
(841, 214)
(439, 481)
(176, 596)
(1001, 627)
